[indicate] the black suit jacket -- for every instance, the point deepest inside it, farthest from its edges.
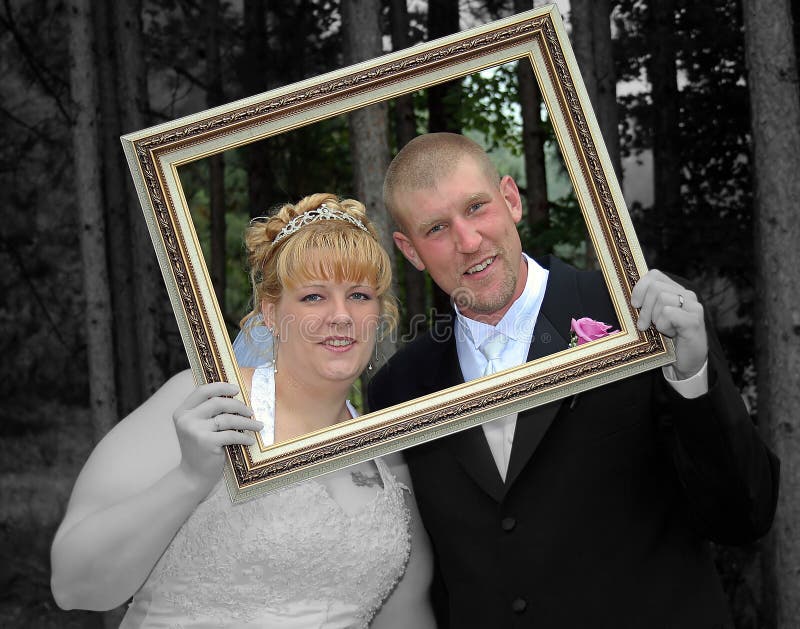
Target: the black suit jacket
(610, 497)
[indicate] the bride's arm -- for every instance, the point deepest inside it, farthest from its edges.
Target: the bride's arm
(409, 604)
(138, 487)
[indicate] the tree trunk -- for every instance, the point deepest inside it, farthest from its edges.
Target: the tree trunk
(443, 101)
(663, 76)
(88, 188)
(405, 119)
(86, 150)
(405, 131)
(255, 78)
(369, 128)
(591, 39)
(98, 163)
(606, 79)
(151, 301)
(118, 229)
(589, 43)
(216, 163)
(775, 122)
(532, 140)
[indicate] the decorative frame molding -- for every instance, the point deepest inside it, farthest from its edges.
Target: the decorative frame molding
(155, 154)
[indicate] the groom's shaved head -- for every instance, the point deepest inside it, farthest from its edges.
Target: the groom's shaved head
(427, 159)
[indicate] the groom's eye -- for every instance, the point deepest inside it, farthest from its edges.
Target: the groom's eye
(436, 228)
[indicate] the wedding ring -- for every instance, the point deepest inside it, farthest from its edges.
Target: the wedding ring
(680, 301)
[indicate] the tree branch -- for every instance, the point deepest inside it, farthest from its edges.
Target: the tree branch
(38, 69)
(18, 121)
(32, 286)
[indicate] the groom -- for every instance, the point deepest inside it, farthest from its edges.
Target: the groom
(589, 512)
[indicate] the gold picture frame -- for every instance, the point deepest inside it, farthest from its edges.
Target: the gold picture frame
(538, 37)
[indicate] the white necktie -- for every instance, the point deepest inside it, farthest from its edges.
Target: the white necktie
(491, 349)
(500, 432)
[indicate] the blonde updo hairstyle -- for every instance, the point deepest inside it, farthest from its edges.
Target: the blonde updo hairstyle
(331, 249)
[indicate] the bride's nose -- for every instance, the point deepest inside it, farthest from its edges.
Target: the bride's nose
(340, 314)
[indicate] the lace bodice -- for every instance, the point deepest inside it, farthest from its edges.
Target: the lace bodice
(292, 558)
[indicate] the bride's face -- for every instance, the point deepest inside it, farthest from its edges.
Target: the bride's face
(325, 329)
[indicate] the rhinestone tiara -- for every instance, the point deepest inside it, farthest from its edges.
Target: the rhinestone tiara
(322, 213)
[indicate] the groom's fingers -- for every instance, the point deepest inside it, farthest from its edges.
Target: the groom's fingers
(661, 301)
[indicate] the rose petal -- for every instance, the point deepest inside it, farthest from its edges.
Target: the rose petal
(587, 329)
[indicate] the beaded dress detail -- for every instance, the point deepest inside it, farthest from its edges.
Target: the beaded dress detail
(293, 558)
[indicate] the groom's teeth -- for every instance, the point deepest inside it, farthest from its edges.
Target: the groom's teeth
(480, 267)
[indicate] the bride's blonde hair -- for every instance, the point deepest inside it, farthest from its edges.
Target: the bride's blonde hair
(332, 249)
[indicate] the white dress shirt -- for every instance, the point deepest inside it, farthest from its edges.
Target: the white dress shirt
(517, 325)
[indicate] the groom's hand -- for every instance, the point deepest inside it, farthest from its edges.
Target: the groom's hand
(676, 313)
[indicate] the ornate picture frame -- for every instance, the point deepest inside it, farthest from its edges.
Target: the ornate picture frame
(537, 37)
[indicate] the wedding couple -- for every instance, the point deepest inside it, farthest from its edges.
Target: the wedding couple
(590, 512)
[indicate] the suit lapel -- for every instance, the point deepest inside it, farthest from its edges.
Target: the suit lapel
(472, 452)
(550, 335)
(469, 447)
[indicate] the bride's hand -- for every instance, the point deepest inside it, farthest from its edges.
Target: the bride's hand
(209, 419)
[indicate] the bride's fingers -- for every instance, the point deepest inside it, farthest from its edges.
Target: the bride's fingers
(206, 392)
(232, 437)
(229, 421)
(193, 429)
(216, 406)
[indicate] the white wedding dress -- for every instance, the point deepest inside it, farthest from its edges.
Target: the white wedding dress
(295, 558)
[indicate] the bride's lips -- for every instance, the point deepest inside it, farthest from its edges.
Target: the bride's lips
(480, 266)
(338, 343)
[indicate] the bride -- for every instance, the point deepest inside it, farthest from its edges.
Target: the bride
(149, 517)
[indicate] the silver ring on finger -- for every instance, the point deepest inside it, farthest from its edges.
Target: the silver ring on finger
(680, 301)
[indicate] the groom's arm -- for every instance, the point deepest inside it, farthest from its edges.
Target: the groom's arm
(729, 476)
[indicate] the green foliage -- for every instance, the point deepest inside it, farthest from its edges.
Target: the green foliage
(715, 233)
(311, 159)
(490, 107)
(565, 235)
(195, 180)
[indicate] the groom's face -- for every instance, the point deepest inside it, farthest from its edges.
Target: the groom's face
(463, 231)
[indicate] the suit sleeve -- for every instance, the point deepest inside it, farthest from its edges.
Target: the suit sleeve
(728, 475)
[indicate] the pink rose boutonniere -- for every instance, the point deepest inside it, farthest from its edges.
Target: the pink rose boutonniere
(586, 330)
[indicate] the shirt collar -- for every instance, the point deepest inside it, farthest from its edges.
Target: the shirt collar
(520, 319)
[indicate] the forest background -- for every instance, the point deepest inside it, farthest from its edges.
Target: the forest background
(698, 102)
